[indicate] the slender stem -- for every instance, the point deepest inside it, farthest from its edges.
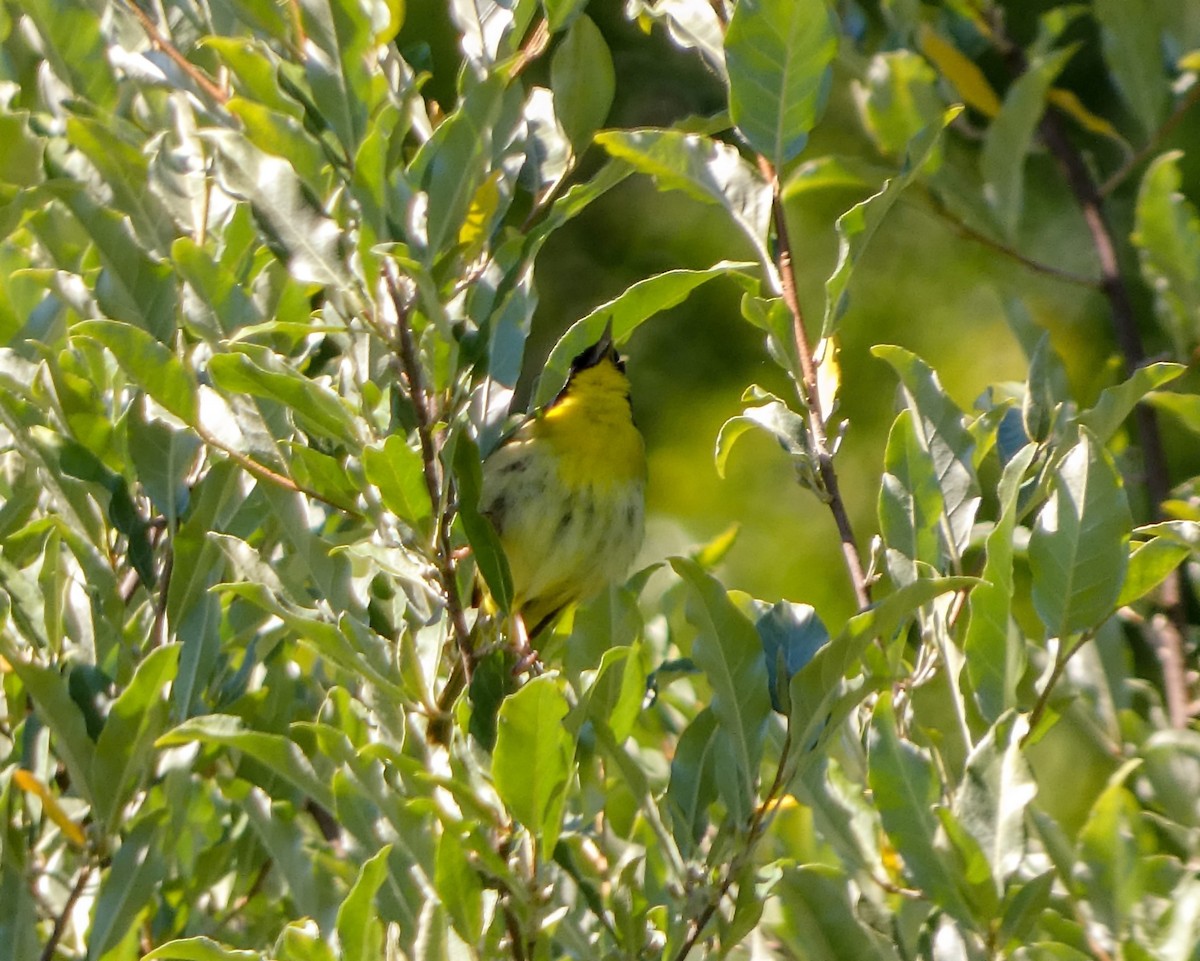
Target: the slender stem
(1161, 134)
(198, 76)
(1173, 628)
(811, 396)
(964, 229)
(435, 484)
(757, 829)
(60, 922)
(1060, 664)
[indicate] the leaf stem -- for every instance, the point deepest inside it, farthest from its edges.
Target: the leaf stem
(1060, 664)
(810, 395)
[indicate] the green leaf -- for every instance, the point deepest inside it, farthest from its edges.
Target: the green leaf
(262, 373)
(910, 506)
(791, 634)
(323, 475)
(1010, 136)
(1167, 235)
(897, 99)
(148, 363)
(1149, 565)
(298, 231)
(1184, 407)
(1023, 904)
(1111, 850)
(399, 473)
(452, 164)
(459, 887)
(485, 542)
(1078, 550)
(125, 745)
(942, 436)
(61, 714)
(532, 761)
(778, 420)
(857, 225)
(1129, 36)
(626, 312)
(279, 754)
(21, 163)
(340, 68)
(163, 457)
(996, 788)
(360, 932)
(779, 55)
(693, 784)
(137, 870)
(906, 790)
(819, 920)
(1116, 403)
(132, 287)
(199, 949)
(995, 653)
(729, 652)
(583, 82)
(706, 170)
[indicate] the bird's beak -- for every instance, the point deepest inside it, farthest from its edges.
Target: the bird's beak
(605, 343)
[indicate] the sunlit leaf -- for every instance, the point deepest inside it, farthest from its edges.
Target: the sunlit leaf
(778, 53)
(1077, 550)
(531, 762)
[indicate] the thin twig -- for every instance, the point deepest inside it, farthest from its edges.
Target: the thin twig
(262, 472)
(198, 76)
(963, 229)
(435, 485)
(811, 396)
(757, 829)
(1161, 134)
(60, 922)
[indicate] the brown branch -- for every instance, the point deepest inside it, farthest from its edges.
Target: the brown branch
(60, 922)
(1155, 141)
(198, 76)
(1173, 627)
(435, 484)
(811, 396)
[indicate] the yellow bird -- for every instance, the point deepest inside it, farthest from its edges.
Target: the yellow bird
(566, 494)
(566, 491)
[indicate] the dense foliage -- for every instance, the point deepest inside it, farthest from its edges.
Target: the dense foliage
(268, 280)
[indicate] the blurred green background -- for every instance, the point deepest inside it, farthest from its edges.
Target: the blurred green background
(690, 365)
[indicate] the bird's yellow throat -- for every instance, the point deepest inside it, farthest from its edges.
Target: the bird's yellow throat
(591, 429)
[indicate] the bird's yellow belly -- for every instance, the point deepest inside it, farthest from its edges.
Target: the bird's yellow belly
(565, 539)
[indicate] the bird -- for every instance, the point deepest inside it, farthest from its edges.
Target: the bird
(565, 492)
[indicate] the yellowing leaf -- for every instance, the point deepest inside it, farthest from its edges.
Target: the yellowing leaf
(1068, 103)
(31, 785)
(5, 667)
(1190, 61)
(961, 71)
(483, 205)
